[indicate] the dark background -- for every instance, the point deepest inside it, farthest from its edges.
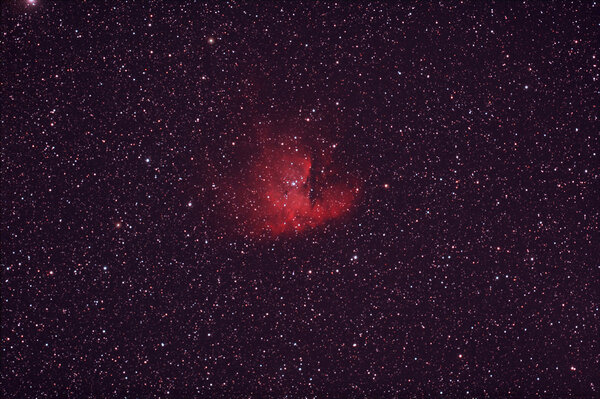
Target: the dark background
(473, 274)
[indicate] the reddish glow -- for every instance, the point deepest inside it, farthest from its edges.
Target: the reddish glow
(285, 193)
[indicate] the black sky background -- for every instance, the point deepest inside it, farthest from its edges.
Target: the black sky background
(468, 267)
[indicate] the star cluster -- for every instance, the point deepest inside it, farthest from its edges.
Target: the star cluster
(305, 199)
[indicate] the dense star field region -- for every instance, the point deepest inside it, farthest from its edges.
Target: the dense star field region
(300, 199)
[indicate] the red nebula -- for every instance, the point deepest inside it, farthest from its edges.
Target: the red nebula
(287, 192)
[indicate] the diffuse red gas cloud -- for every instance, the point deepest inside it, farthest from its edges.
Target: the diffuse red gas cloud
(291, 188)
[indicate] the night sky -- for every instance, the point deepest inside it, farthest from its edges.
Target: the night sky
(309, 199)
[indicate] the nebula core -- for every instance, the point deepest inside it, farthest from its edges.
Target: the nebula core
(291, 188)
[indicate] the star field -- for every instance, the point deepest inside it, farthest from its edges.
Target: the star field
(305, 199)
